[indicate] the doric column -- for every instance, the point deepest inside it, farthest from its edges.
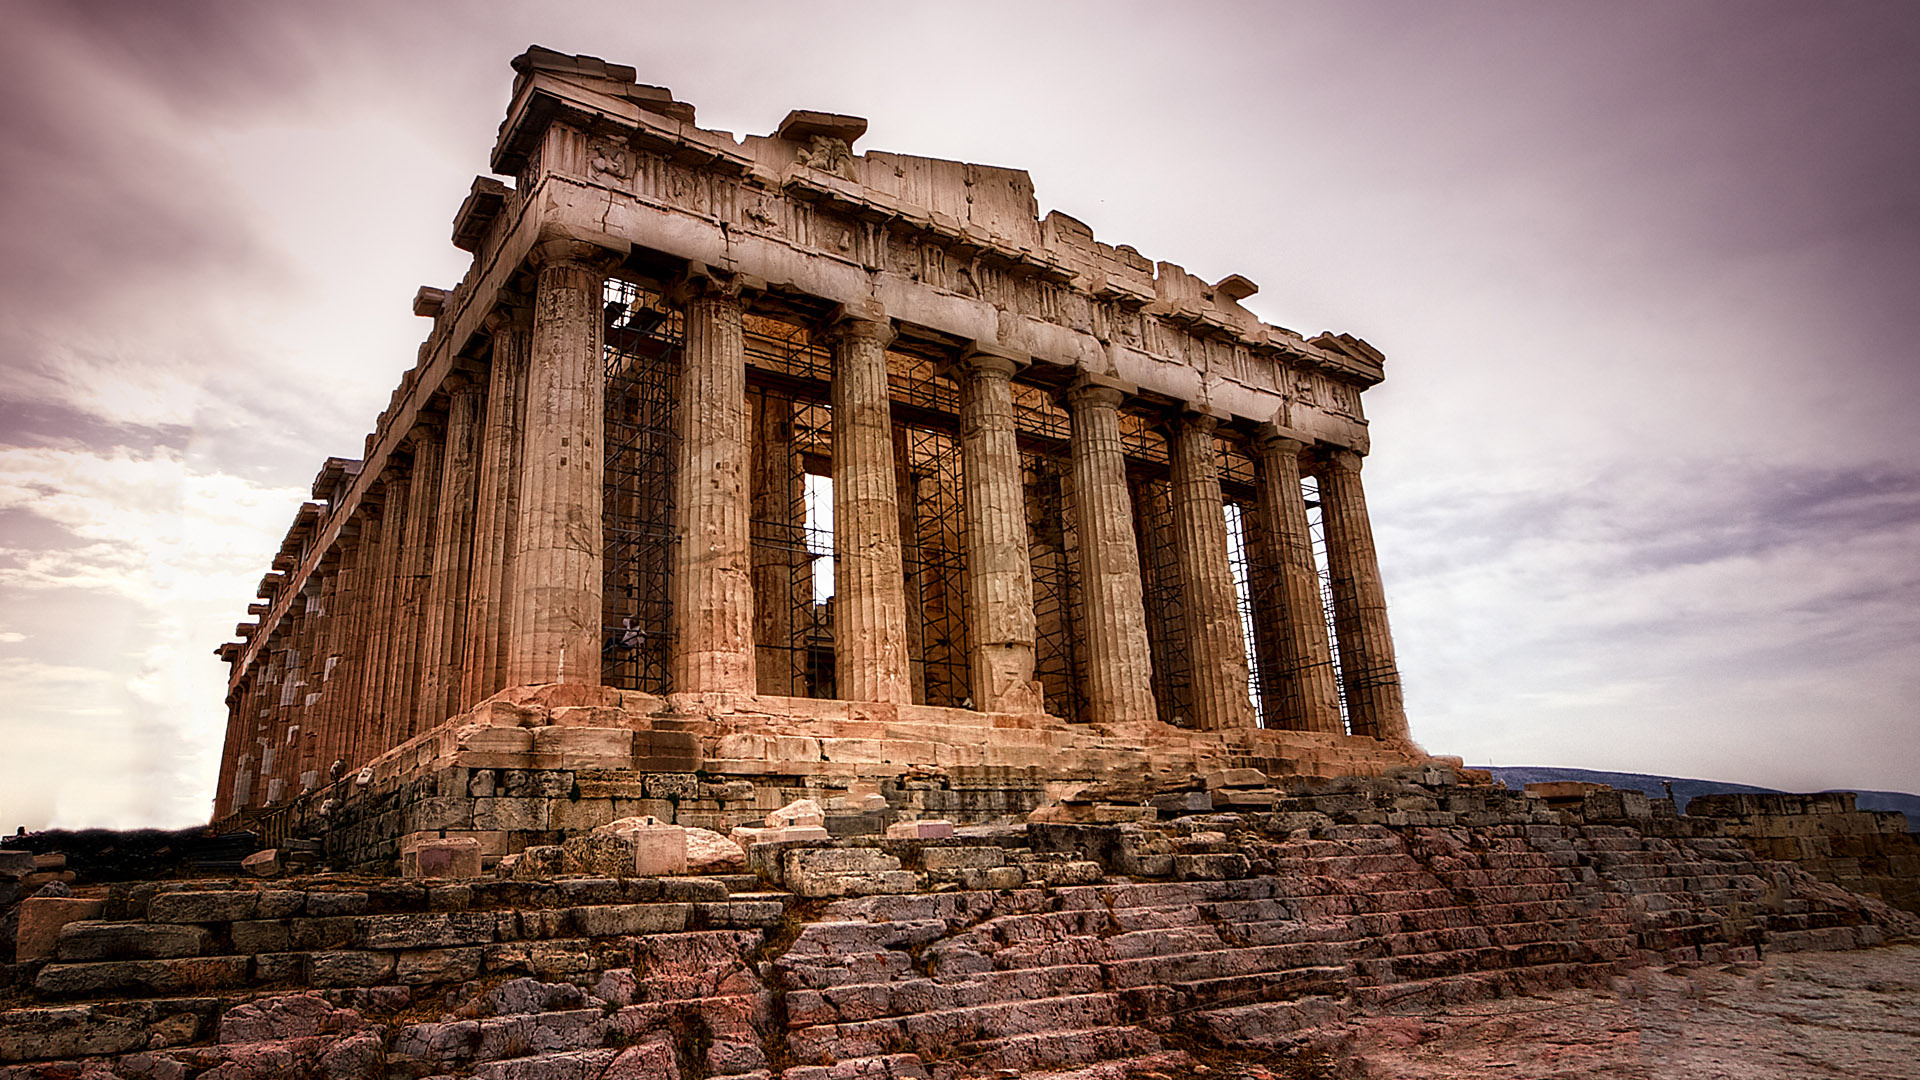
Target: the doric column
(712, 592)
(1216, 643)
(496, 514)
(1305, 660)
(558, 545)
(281, 711)
(382, 545)
(1119, 667)
(870, 605)
(405, 690)
(1374, 702)
(780, 557)
(301, 772)
(336, 678)
(999, 573)
(453, 541)
(231, 751)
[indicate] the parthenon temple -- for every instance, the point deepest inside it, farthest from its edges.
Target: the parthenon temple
(765, 458)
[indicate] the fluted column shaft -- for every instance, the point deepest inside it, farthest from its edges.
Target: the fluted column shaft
(313, 636)
(1312, 703)
(557, 586)
(712, 589)
(230, 753)
(1119, 666)
(1374, 701)
(343, 642)
(1216, 642)
(999, 571)
(496, 514)
(326, 650)
(453, 543)
(406, 692)
(870, 604)
(383, 529)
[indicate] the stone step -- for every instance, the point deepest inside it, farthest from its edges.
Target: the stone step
(1030, 1052)
(1288, 985)
(852, 1003)
(130, 941)
(1270, 1023)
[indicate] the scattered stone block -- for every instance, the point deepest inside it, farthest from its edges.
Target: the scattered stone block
(16, 865)
(630, 847)
(747, 836)
(1237, 778)
(801, 814)
(264, 863)
(710, 853)
(934, 829)
(440, 857)
(41, 919)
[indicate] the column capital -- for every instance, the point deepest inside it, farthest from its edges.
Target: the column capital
(1099, 389)
(1193, 420)
(983, 358)
(510, 310)
(1272, 438)
(703, 282)
(1339, 457)
(557, 248)
(425, 426)
(460, 382)
(863, 321)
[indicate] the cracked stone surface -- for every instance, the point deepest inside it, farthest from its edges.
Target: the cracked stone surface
(1853, 1014)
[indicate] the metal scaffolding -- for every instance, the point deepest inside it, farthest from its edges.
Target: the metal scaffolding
(1317, 529)
(644, 337)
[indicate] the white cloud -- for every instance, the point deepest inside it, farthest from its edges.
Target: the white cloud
(123, 728)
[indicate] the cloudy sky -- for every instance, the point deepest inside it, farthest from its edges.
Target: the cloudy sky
(1646, 469)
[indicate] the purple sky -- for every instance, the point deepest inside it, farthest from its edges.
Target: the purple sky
(1646, 471)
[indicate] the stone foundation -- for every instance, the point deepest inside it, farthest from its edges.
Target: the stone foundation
(1124, 930)
(1863, 851)
(534, 764)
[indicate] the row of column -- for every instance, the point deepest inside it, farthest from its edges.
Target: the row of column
(713, 589)
(474, 562)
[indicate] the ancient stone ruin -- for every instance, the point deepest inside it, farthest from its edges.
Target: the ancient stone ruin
(807, 616)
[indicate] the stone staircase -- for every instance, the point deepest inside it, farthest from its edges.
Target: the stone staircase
(1073, 949)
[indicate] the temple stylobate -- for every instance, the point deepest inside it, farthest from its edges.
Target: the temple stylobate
(785, 461)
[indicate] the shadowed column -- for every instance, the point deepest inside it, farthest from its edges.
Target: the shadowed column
(712, 591)
(1216, 643)
(999, 571)
(1312, 703)
(558, 543)
(405, 692)
(343, 641)
(1359, 602)
(453, 543)
(870, 606)
(490, 607)
(1119, 667)
(387, 529)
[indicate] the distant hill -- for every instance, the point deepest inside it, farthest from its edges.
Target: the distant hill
(1684, 788)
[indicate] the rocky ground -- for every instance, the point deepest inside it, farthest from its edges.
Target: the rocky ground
(1792, 1016)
